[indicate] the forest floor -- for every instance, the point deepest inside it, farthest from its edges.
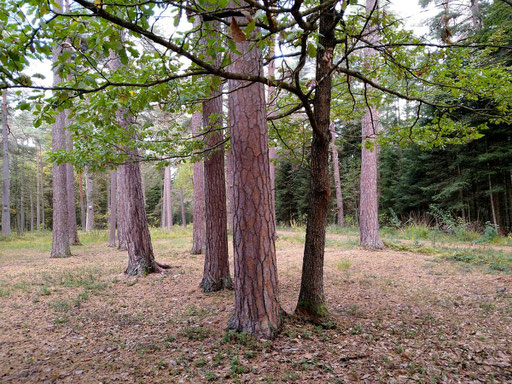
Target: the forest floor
(397, 316)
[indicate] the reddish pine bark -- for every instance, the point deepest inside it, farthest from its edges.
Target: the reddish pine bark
(134, 224)
(257, 308)
(198, 234)
(311, 304)
(370, 127)
(216, 263)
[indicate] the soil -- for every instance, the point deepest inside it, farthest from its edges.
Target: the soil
(396, 318)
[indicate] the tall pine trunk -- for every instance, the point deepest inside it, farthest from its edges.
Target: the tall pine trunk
(272, 96)
(121, 201)
(112, 220)
(134, 223)
(257, 308)
(41, 165)
(311, 303)
(21, 229)
(340, 218)
(60, 241)
(89, 221)
(31, 209)
(198, 234)
(6, 184)
(216, 262)
(370, 128)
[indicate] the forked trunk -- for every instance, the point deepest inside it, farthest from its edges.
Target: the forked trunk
(257, 308)
(311, 304)
(216, 263)
(198, 234)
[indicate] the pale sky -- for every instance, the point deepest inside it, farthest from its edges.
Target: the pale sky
(413, 15)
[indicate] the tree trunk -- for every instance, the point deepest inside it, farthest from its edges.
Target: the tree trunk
(216, 261)
(167, 201)
(60, 241)
(183, 216)
(82, 205)
(121, 202)
(41, 165)
(257, 308)
(31, 209)
(311, 304)
(491, 198)
(70, 186)
(38, 191)
(340, 218)
(198, 234)
(134, 223)
(6, 188)
(370, 128)
(113, 209)
(89, 222)
(272, 96)
(229, 186)
(22, 198)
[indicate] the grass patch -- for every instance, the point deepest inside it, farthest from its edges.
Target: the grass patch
(343, 264)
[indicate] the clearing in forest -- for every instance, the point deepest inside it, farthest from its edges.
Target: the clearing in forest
(397, 317)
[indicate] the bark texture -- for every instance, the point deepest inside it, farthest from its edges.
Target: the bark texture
(370, 127)
(272, 96)
(89, 221)
(141, 260)
(167, 219)
(340, 217)
(70, 186)
(216, 262)
(38, 191)
(198, 234)
(311, 304)
(112, 221)
(6, 184)
(121, 201)
(60, 234)
(257, 308)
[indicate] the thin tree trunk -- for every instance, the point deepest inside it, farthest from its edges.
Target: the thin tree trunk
(82, 205)
(113, 209)
(229, 187)
(311, 303)
(340, 218)
(163, 220)
(491, 198)
(38, 191)
(22, 197)
(143, 183)
(121, 209)
(89, 222)
(272, 96)
(183, 216)
(31, 209)
(216, 262)
(6, 188)
(168, 219)
(198, 234)
(41, 164)
(70, 187)
(257, 308)
(108, 193)
(370, 127)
